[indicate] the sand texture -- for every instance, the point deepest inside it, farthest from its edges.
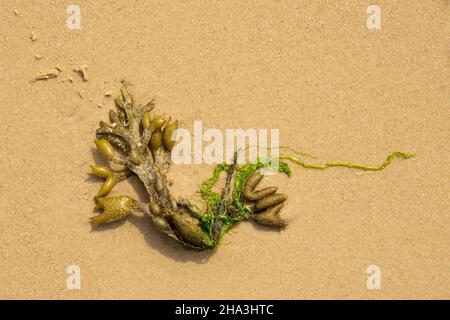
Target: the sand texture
(310, 68)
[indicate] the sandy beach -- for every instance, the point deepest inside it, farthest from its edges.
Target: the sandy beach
(312, 69)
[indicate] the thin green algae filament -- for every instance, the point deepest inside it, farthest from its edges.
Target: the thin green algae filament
(243, 172)
(326, 165)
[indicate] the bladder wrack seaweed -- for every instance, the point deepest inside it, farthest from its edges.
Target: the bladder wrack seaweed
(141, 144)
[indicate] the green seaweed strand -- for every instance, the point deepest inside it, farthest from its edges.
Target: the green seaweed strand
(243, 211)
(212, 199)
(326, 165)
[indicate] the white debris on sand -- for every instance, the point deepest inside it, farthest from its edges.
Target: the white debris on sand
(82, 71)
(45, 75)
(67, 80)
(33, 36)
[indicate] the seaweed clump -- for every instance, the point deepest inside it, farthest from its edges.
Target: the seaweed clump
(141, 143)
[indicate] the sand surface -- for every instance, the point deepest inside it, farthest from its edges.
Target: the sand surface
(310, 68)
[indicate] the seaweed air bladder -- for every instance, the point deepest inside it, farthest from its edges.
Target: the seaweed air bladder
(141, 143)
